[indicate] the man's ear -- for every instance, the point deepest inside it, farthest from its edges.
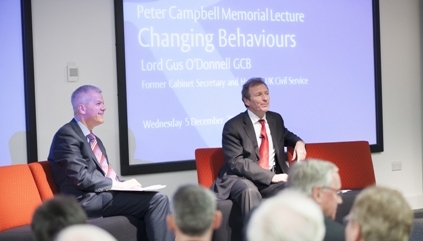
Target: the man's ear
(316, 194)
(357, 233)
(246, 101)
(217, 219)
(170, 222)
(81, 108)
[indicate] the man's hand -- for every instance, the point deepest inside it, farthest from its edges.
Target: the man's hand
(283, 177)
(128, 184)
(299, 151)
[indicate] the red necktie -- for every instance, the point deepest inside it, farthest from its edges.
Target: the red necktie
(108, 170)
(264, 146)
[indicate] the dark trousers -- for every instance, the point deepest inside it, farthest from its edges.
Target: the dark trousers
(248, 195)
(152, 207)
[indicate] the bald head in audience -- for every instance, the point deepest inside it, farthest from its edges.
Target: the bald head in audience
(379, 213)
(84, 232)
(288, 216)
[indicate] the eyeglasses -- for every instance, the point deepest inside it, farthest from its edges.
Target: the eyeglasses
(337, 191)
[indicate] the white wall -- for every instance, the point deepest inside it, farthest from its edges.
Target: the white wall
(82, 32)
(402, 98)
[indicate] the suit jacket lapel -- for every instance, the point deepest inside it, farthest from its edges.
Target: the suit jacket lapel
(79, 132)
(276, 136)
(249, 131)
(274, 133)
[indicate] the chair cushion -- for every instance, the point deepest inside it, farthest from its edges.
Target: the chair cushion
(353, 158)
(22, 233)
(43, 179)
(20, 196)
(208, 162)
(120, 227)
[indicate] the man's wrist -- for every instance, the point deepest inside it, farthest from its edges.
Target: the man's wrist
(115, 183)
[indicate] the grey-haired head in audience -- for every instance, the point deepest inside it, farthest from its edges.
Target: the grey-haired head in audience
(194, 212)
(288, 216)
(379, 213)
(320, 180)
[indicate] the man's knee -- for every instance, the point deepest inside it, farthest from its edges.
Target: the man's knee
(251, 194)
(248, 199)
(160, 199)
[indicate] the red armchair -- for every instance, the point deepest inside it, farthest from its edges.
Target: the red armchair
(354, 160)
(208, 162)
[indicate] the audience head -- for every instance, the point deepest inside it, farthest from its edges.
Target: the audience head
(88, 105)
(84, 232)
(194, 212)
(54, 215)
(290, 215)
(320, 180)
(379, 213)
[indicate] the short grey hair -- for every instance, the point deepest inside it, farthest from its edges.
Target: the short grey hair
(383, 214)
(290, 215)
(193, 208)
(81, 95)
(305, 175)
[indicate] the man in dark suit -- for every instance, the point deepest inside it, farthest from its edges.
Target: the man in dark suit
(320, 180)
(80, 168)
(249, 174)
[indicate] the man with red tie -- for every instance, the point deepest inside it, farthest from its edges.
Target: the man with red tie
(253, 144)
(80, 168)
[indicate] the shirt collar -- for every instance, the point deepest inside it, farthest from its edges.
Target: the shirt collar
(84, 129)
(254, 118)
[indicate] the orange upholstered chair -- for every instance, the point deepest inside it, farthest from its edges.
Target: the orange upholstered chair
(353, 158)
(24, 188)
(20, 196)
(43, 179)
(208, 162)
